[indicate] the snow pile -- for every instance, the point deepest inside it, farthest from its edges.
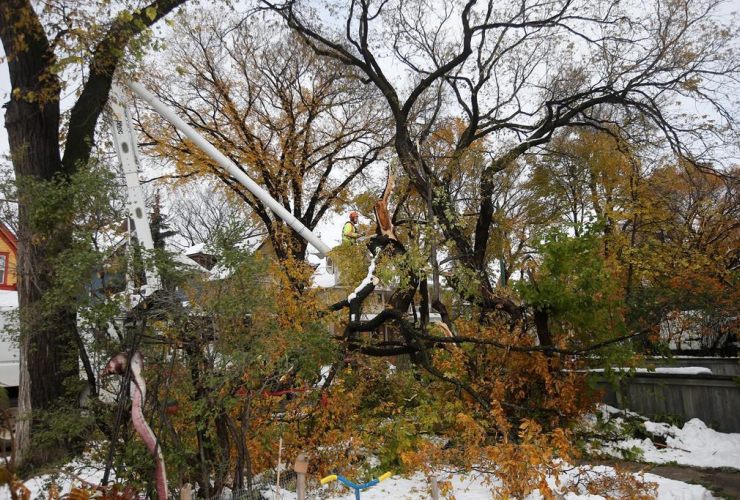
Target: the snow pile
(694, 444)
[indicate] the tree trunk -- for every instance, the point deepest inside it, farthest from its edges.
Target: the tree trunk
(32, 122)
(47, 349)
(541, 323)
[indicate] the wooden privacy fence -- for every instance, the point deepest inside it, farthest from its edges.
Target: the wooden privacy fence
(715, 399)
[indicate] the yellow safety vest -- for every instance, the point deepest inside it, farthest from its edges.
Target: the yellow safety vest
(349, 235)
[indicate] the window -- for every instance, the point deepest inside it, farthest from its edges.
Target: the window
(3, 264)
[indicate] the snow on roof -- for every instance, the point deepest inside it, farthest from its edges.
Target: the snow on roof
(197, 248)
(219, 273)
(187, 261)
(251, 243)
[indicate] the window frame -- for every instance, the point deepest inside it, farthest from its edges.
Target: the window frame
(4, 283)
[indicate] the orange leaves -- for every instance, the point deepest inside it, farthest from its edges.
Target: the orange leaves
(621, 485)
(84, 494)
(469, 429)
(413, 460)
(18, 490)
(524, 466)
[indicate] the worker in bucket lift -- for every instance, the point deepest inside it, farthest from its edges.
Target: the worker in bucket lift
(349, 231)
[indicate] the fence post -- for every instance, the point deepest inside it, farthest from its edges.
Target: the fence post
(301, 468)
(280, 457)
(186, 493)
(435, 487)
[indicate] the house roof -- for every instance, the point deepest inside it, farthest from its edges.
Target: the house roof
(7, 235)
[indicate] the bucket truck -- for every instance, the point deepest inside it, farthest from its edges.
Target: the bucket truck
(124, 140)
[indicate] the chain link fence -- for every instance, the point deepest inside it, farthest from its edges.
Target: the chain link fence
(265, 489)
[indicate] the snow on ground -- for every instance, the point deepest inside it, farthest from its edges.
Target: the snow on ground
(475, 487)
(694, 444)
(39, 486)
(416, 487)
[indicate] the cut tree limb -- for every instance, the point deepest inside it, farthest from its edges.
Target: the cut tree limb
(385, 224)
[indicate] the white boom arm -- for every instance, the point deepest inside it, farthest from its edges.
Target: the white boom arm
(126, 145)
(231, 168)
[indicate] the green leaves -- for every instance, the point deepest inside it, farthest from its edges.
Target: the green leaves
(151, 13)
(126, 15)
(574, 285)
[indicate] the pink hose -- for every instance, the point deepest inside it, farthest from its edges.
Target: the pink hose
(117, 364)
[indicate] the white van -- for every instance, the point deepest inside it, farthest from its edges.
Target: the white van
(9, 355)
